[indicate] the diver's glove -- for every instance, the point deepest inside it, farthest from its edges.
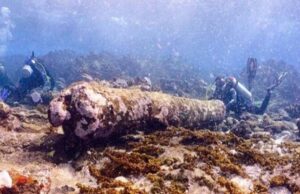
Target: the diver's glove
(4, 94)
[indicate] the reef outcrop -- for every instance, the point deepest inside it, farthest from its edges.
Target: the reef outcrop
(90, 110)
(7, 120)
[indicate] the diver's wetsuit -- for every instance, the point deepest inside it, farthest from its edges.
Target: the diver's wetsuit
(34, 81)
(263, 107)
(217, 95)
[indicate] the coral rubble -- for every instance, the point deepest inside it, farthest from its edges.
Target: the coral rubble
(195, 162)
(23, 184)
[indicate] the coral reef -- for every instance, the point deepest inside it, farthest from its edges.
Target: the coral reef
(250, 125)
(91, 110)
(171, 75)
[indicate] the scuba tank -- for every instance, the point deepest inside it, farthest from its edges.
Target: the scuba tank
(241, 89)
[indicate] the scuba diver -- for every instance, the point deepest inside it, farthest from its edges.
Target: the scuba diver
(218, 92)
(36, 80)
(238, 98)
(6, 85)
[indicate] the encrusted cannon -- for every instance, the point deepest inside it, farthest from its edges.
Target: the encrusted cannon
(91, 110)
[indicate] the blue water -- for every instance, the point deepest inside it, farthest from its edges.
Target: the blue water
(209, 34)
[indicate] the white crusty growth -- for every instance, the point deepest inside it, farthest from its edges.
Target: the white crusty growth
(91, 110)
(58, 113)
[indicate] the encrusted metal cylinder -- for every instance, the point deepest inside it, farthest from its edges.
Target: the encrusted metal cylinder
(91, 110)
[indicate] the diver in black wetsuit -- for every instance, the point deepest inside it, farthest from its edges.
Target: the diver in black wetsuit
(36, 80)
(238, 98)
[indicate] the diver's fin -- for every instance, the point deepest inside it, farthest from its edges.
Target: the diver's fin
(278, 81)
(32, 54)
(251, 71)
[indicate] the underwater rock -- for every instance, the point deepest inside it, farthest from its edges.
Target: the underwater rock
(249, 125)
(243, 129)
(277, 126)
(279, 190)
(280, 115)
(4, 110)
(244, 126)
(7, 120)
(145, 84)
(120, 83)
(173, 76)
(193, 88)
(293, 110)
(91, 110)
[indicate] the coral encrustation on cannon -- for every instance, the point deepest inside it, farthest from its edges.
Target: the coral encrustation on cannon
(91, 110)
